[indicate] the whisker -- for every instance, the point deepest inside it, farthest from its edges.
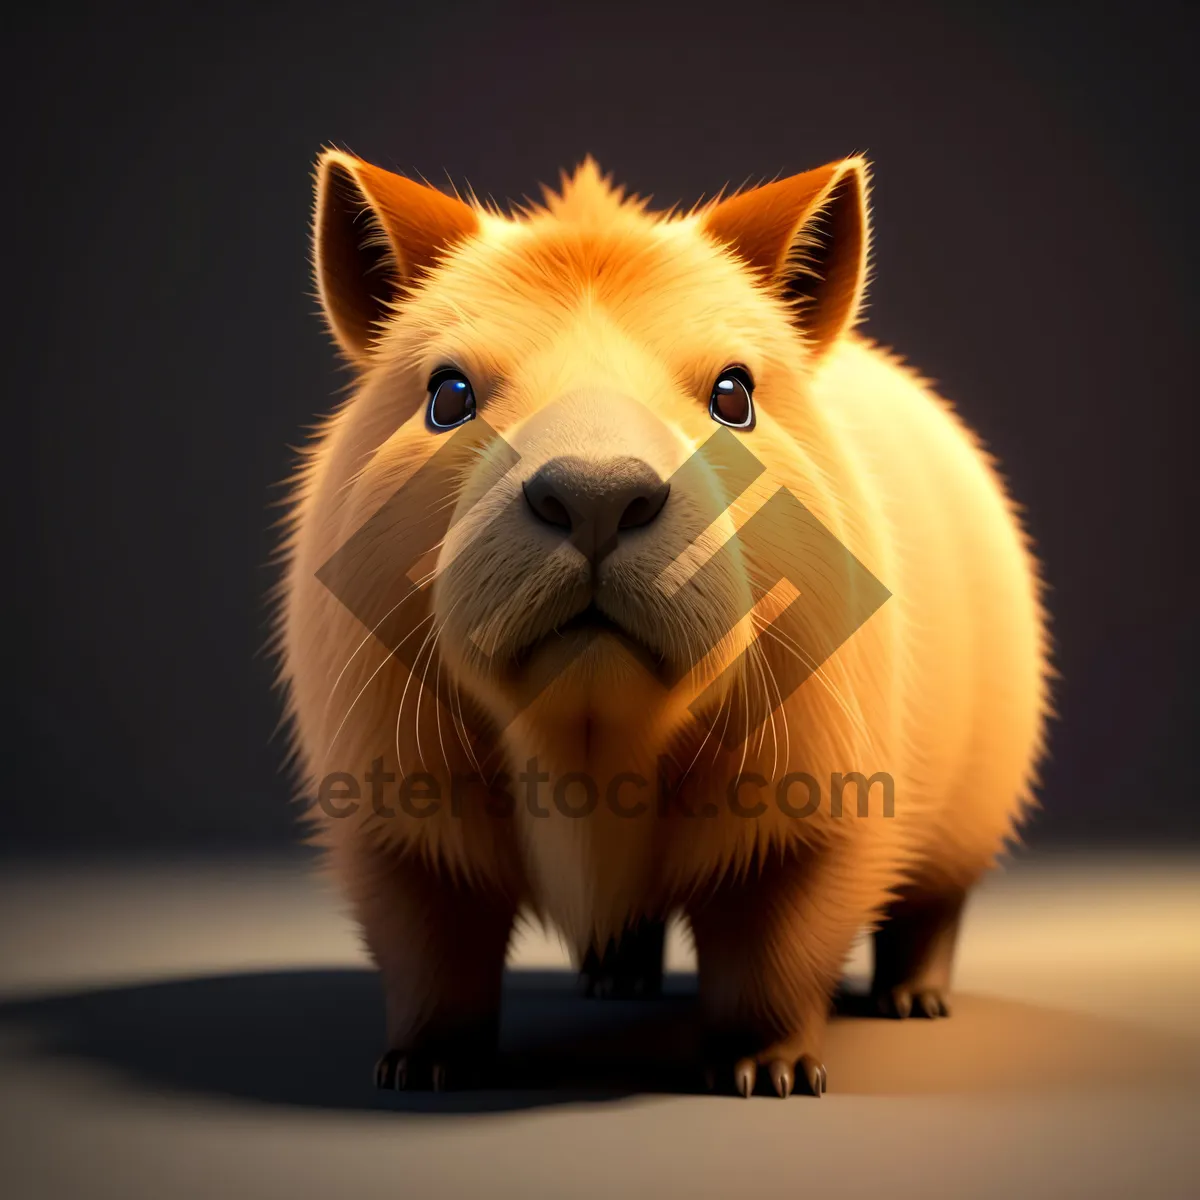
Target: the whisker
(817, 670)
(769, 678)
(437, 691)
(460, 727)
(386, 659)
(756, 658)
(417, 587)
(746, 739)
(403, 697)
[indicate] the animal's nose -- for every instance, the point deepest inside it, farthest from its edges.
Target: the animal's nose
(594, 501)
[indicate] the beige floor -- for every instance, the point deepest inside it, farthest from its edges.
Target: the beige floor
(208, 1030)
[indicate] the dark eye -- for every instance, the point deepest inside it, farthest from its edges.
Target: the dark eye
(451, 399)
(732, 400)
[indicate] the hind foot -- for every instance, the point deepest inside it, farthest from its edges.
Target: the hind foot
(902, 1002)
(628, 969)
(914, 953)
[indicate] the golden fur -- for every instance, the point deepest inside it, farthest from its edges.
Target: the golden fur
(592, 327)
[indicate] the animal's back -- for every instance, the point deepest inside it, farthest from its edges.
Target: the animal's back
(967, 602)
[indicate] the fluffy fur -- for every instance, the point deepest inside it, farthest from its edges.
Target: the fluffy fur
(592, 329)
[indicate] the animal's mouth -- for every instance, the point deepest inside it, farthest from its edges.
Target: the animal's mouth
(588, 625)
(591, 617)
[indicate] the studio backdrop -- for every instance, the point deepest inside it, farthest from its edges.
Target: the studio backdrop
(1034, 198)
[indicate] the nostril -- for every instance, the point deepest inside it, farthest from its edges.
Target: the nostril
(539, 495)
(644, 507)
(552, 509)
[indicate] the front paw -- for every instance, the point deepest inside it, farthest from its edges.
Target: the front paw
(779, 1070)
(449, 1062)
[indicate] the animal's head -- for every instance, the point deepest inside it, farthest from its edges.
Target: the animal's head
(563, 412)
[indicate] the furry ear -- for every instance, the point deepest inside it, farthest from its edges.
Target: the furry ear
(374, 234)
(808, 236)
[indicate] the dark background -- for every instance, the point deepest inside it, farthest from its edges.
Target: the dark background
(1035, 192)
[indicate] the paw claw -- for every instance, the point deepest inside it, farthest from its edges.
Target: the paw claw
(814, 1074)
(781, 1078)
(744, 1073)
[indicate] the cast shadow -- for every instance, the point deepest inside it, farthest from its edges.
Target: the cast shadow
(309, 1038)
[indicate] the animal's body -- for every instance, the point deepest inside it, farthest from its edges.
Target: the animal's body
(605, 345)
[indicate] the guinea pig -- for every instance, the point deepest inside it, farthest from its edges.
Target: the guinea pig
(629, 582)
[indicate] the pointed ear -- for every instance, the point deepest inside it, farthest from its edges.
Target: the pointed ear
(808, 236)
(374, 234)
